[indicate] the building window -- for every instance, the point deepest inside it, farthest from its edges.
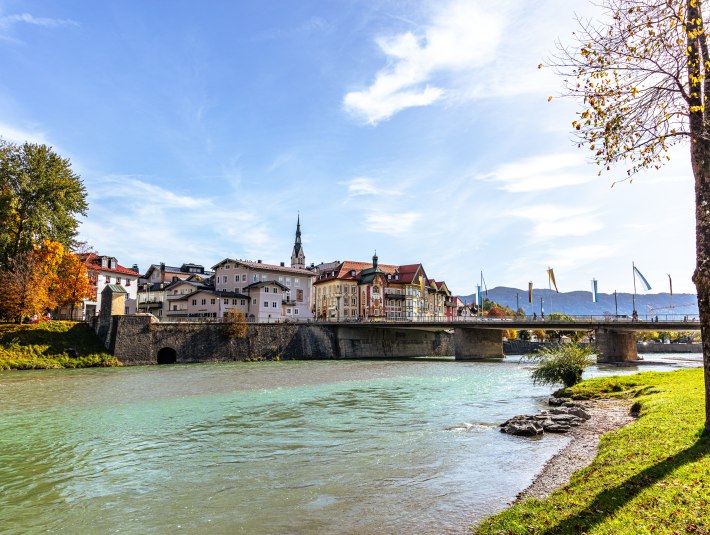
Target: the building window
(227, 266)
(236, 290)
(295, 311)
(108, 279)
(299, 295)
(273, 304)
(266, 304)
(212, 301)
(275, 289)
(353, 302)
(263, 278)
(204, 301)
(236, 278)
(224, 278)
(226, 302)
(194, 302)
(244, 277)
(296, 281)
(243, 303)
(255, 277)
(253, 301)
(266, 289)
(288, 311)
(281, 279)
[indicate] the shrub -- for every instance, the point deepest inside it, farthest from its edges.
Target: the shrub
(561, 364)
(236, 323)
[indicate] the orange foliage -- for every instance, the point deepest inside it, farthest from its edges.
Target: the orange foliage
(72, 284)
(24, 287)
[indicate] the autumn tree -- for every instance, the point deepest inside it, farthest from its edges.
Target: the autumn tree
(640, 74)
(72, 284)
(24, 287)
(40, 198)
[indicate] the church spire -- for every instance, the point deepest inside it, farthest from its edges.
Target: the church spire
(298, 258)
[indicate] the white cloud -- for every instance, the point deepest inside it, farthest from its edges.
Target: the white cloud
(367, 186)
(18, 135)
(461, 36)
(391, 224)
(26, 18)
(550, 222)
(542, 173)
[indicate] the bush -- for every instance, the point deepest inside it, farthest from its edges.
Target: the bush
(236, 323)
(561, 364)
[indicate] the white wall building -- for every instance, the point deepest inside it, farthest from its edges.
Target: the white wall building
(105, 270)
(276, 293)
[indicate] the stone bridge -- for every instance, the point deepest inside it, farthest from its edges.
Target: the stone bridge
(142, 339)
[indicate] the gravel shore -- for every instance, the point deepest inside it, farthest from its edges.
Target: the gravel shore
(607, 415)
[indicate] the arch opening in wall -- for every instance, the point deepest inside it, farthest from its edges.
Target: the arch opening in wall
(167, 355)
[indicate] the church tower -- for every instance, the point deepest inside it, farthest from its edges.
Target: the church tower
(298, 259)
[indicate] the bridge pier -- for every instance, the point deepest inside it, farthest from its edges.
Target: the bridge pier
(471, 343)
(616, 346)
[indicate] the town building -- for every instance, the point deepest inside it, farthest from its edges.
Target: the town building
(358, 290)
(103, 271)
(276, 293)
(158, 277)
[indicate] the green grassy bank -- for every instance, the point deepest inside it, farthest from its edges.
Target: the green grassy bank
(652, 476)
(42, 345)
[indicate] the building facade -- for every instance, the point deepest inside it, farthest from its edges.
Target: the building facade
(358, 290)
(276, 293)
(104, 271)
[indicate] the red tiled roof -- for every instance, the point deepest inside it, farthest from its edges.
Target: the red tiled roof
(93, 261)
(405, 274)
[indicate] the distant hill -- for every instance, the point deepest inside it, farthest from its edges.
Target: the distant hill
(580, 303)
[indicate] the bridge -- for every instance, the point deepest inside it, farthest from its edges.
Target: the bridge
(141, 339)
(478, 337)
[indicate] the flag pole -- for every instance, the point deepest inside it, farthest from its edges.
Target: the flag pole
(633, 274)
(549, 287)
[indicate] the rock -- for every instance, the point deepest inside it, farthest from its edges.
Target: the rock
(527, 426)
(573, 411)
(71, 352)
(556, 402)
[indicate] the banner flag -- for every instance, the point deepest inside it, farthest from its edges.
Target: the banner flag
(530, 292)
(670, 282)
(551, 274)
(641, 279)
(595, 293)
(478, 296)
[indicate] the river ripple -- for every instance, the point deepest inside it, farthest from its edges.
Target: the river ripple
(290, 447)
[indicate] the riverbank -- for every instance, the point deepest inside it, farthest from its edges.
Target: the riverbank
(650, 476)
(54, 344)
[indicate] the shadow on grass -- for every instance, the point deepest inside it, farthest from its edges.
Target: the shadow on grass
(608, 501)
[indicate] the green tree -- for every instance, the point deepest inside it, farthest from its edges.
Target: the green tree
(641, 76)
(40, 198)
(575, 336)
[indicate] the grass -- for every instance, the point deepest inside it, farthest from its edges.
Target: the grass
(652, 476)
(43, 345)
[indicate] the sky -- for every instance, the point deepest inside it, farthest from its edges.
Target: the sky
(417, 129)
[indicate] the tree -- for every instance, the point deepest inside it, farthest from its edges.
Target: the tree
(40, 198)
(236, 323)
(24, 287)
(72, 284)
(642, 77)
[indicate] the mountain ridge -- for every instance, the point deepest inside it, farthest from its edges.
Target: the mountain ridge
(579, 303)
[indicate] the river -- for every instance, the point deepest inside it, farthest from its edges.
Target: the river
(322, 447)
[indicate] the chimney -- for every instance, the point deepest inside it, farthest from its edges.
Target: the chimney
(282, 264)
(135, 268)
(162, 266)
(258, 261)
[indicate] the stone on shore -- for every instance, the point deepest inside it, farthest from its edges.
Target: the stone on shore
(557, 420)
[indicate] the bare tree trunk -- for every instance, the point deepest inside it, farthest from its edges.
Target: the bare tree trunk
(700, 155)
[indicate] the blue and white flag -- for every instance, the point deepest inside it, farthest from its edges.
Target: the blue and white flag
(595, 293)
(641, 279)
(478, 295)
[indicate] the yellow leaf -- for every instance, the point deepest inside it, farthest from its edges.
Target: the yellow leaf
(549, 98)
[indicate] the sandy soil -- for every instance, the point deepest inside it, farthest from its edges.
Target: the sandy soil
(607, 415)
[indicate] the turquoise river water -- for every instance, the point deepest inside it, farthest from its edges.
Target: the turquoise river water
(323, 447)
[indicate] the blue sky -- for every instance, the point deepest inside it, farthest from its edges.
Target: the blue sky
(420, 129)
